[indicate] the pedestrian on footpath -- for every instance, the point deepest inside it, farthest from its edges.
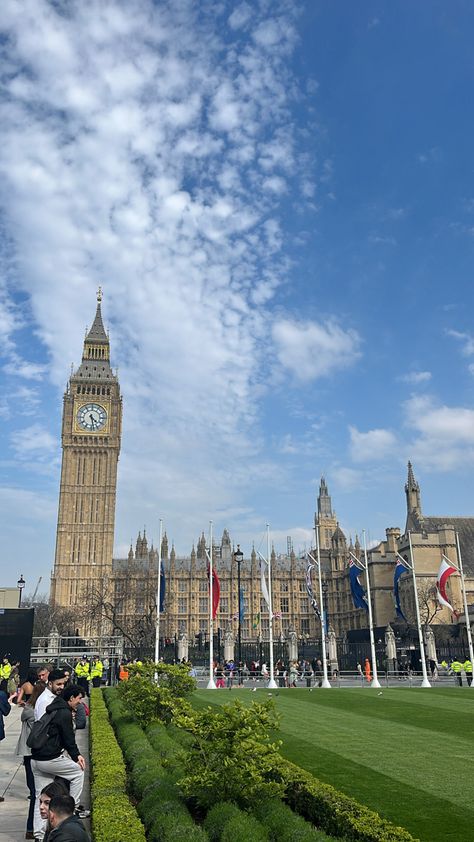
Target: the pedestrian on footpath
(367, 670)
(5, 708)
(50, 761)
(24, 751)
(65, 826)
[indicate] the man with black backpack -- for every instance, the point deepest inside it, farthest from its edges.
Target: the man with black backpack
(51, 737)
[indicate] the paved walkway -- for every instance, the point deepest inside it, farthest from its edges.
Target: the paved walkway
(14, 810)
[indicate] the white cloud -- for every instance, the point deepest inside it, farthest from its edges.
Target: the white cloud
(310, 350)
(444, 435)
(373, 446)
(466, 340)
(414, 378)
(347, 479)
(34, 441)
(142, 152)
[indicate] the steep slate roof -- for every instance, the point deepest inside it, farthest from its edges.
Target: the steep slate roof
(97, 332)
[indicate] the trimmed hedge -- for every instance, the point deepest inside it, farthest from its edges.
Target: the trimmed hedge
(113, 816)
(227, 823)
(161, 805)
(336, 813)
(286, 826)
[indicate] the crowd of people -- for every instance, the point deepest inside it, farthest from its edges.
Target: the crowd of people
(53, 707)
(230, 673)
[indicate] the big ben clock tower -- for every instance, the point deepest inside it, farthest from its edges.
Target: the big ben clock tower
(91, 430)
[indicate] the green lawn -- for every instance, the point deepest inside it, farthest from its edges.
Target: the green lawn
(408, 753)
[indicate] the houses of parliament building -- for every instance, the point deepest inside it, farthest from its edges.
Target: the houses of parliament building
(84, 565)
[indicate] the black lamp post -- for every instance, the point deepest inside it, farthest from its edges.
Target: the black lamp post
(238, 558)
(20, 585)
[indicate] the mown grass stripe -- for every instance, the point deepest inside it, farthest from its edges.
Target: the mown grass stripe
(389, 753)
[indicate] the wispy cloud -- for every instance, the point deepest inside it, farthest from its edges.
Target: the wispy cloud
(372, 446)
(466, 340)
(444, 434)
(415, 378)
(309, 350)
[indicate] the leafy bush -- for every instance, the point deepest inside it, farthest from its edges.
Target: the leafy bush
(284, 825)
(232, 754)
(163, 699)
(335, 812)
(112, 813)
(225, 821)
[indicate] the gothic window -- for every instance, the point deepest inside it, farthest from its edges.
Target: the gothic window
(182, 586)
(224, 605)
(284, 587)
(182, 605)
(203, 606)
(303, 606)
(284, 605)
(203, 586)
(302, 587)
(305, 626)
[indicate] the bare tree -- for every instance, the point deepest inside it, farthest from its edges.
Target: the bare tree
(111, 617)
(48, 616)
(429, 606)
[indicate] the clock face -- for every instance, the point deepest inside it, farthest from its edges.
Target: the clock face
(91, 417)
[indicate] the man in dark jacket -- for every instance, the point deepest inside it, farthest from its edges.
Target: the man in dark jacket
(65, 826)
(51, 760)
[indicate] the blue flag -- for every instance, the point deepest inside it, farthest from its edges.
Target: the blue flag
(400, 569)
(241, 605)
(357, 591)
(162, 587)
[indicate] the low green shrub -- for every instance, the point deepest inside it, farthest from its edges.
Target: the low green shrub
(335, 812)
(217, 817)
(284, 825)
(113, 816)
(161, 805)
(243, 828)
(225, 821)
(170, 752)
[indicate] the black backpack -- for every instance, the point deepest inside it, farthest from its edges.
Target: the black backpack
(39, 734)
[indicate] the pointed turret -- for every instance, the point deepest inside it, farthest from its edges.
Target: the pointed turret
(96, 353)
(164, 546)
(325, 518)
(130, 552)
(412, 491)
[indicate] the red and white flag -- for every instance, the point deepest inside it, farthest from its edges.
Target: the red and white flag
(216, 590)
(446, 570)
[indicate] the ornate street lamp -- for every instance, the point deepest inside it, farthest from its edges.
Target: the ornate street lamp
(238, 558)
(20, 585)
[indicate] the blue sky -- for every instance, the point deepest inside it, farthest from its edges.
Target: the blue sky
(278, 201)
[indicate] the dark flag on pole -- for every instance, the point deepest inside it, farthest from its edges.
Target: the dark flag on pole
(400, 569)
(357, 591)
(162, 587)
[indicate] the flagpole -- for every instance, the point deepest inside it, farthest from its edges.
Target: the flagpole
(272, 683)
(211, 685)
(375, 681)
(325, 684)
(425, 682)
(466, 610)
(158, 598)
